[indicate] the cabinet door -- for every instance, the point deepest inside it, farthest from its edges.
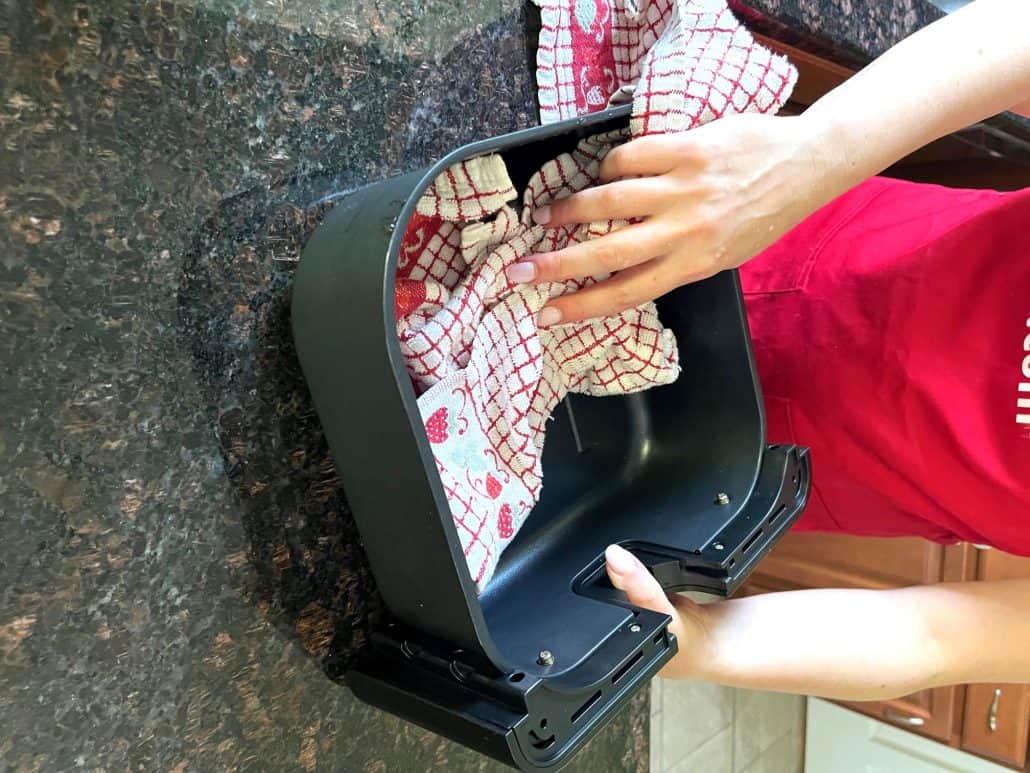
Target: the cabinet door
(804, 560)
(934, 713)
(839, 741)
(838, 561)
(996, 720)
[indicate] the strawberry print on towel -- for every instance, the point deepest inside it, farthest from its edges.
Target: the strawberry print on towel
(477, 422)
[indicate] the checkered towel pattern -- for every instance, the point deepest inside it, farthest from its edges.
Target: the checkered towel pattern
(488, 379)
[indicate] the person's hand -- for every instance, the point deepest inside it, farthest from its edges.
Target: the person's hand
(642, 589)
(707, 199)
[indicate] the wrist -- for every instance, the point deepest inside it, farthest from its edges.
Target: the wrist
(697, 656)
(830, 153)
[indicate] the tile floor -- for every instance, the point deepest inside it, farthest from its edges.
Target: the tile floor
(703, 728)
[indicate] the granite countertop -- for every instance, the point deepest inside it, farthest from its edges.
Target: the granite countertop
(181, 584)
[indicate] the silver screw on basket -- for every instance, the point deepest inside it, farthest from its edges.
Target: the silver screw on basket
(722, 498)
(634, 628)
(545, 658)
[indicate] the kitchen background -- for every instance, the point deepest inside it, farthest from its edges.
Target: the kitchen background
(181, 586)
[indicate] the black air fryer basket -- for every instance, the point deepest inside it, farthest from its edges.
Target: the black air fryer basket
(680, 475)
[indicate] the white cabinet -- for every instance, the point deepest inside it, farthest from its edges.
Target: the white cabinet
(838, 740)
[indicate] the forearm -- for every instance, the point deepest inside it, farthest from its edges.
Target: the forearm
(868, 645)
(968, 66)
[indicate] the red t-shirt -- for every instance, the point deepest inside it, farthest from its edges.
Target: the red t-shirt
(892, 335)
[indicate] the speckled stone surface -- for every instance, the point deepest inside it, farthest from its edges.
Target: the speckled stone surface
(181, 585)
(856, 31)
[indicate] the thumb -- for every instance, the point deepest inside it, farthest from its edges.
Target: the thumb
(632, 578)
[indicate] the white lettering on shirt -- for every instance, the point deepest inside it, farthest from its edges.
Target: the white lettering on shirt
(1023, 403)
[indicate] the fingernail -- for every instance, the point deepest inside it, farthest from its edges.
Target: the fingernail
(542, 215)
(619, 559)
(520, 273)
(548, 316)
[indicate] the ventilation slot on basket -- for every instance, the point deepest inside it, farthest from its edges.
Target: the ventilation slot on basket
(752, 541)
(585, 707)
(777, 513)
(622, 671)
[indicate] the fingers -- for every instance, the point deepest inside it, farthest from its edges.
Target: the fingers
(624, 291)
(632, 578)
(620, 200)
(613, 252)
(648, 156)
(642, 589)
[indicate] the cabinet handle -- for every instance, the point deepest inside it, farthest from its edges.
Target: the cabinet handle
(903, 719)
(992, 717)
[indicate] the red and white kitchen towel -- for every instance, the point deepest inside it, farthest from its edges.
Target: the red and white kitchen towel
(685, 62)
(488, 378)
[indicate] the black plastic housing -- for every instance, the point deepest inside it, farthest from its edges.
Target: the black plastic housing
(680, 474)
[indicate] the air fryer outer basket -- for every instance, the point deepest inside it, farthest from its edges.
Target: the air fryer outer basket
(647, 471)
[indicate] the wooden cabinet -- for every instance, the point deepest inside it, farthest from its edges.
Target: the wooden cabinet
(996, 722)
(803, 560)
(989, 720)
(996, 717)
